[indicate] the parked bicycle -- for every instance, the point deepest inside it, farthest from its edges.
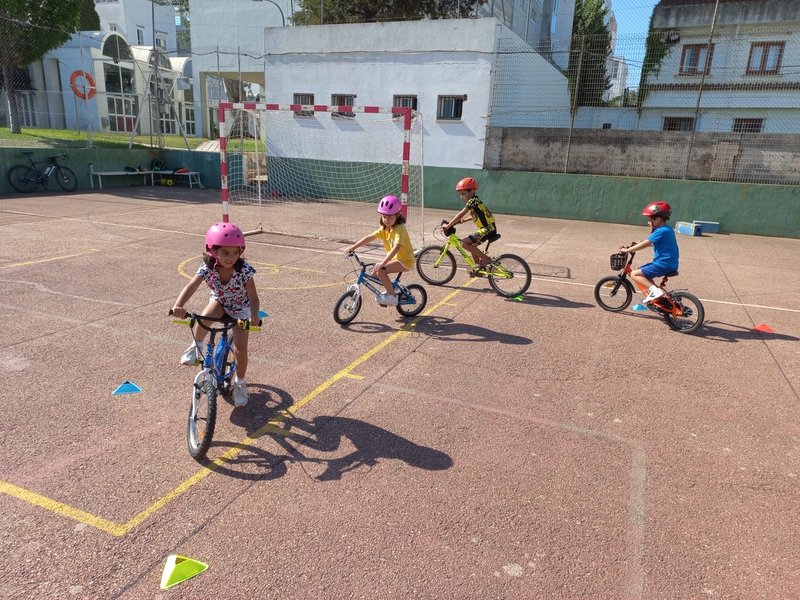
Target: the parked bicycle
(411, 299)
(508, 274)
(681, 310)
(27, 178)
(217, 367)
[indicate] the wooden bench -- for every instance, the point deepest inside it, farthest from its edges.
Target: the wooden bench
(191, 177)
(101, 174)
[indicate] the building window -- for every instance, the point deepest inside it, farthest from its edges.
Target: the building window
(449, 108)
(112, 26)
(140, 36)
(694, 59)
(304, 100)
(343, 100)
(406, 101)
(606, 125)
(748, 125)
(188, 120)
(765, 58)
(121, 113)
(678, 124)
(161, 40)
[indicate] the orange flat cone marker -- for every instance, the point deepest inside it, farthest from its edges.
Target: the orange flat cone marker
(763, 327)
(180, 568)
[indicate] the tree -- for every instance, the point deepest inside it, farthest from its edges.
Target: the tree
(90, 20)
(589, 51)
(28, 30)
(372, 11)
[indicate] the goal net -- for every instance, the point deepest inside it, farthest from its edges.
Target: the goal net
(319, 171)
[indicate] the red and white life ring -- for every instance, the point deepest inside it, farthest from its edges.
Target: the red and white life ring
(78, 90)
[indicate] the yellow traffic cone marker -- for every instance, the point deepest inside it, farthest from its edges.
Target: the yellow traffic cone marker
(180, 568)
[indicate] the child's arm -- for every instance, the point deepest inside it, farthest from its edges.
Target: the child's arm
(359, 243)
(389, 256)
(637, 246)
(459, 218)
(184, 296)
(255, 302)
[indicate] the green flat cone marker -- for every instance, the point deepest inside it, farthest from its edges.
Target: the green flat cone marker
(180, 568)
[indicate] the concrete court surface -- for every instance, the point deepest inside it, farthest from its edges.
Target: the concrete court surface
(489, 448)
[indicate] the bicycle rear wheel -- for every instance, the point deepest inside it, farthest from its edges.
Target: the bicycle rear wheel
(613, 294)
(346, 307)
(66, 178)
(509, 275)
(23, 178)
(430, 271)
(693, 313)
(202, 419)
(411, 300)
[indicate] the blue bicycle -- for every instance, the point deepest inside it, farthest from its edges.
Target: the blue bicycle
(411, 299)
(217, 367)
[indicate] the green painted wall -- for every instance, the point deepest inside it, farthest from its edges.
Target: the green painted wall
(772, 210)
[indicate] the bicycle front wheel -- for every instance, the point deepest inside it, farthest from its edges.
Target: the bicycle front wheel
(66, 178)
(23, 178)
(346, 307)
(613, 294)
(693, 313)
(509, 275)
(434, 266)
(202, 418)
(411, 299)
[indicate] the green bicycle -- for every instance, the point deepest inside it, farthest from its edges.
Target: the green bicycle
(508, 274)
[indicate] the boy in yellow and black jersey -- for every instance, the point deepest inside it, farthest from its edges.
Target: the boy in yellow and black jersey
(478, 213)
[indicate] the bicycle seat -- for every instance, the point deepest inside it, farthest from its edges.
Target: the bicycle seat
(672, 274)
(493, 238)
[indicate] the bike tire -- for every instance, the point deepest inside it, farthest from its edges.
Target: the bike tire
(426, 261)
(694, 313)
(202, 419)
(66, 178)
(509, 275)
(613, 293)
(346, 307)
(229, 362)
(23, 178)
(408, 293)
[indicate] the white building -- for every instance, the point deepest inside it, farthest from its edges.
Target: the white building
(138, 21)
(752, 81)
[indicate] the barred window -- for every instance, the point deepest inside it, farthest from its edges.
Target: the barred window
(678, 124)
(405, 101)
(305, 100)
(343, 100)
(693, 60)
(765, 58)
(449, 108)
(748, 125)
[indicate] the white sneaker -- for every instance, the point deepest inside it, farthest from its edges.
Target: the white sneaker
(190, 356)
(387, 299)
(240, 395)
(653, 295)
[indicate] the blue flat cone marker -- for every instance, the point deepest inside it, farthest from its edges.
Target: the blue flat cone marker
(639, 307)
(180, 568)
(127, 388)
(261, 313)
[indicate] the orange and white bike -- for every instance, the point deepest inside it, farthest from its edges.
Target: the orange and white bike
(681, 310)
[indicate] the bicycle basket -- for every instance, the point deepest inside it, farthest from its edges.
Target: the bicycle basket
(618, 261)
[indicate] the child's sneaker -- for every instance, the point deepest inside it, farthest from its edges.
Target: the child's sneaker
(655, 294)
(240, 395)
(190, 357)
(388, 300)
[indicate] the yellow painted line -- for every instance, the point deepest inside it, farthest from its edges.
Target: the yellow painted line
(275, 269)
(270, 427)
(44, 260)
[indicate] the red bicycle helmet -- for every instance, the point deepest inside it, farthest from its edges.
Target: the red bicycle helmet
(468, 183)
(657, 209)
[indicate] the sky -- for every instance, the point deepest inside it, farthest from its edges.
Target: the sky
(633, 19)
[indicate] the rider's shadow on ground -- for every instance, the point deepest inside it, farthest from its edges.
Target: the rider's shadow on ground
(725, 332)
(551, 301)
(447, 329)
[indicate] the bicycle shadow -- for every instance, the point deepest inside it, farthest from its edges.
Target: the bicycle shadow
(444, 328)
(327, 434)
(547, 300)
(726, 332)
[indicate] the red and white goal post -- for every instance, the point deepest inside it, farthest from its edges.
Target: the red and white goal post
(319, 171)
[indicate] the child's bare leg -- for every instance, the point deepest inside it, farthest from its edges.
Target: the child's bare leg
(240, 338)
(477, 255)
(639, 278)
(212, 309)
(394, 266)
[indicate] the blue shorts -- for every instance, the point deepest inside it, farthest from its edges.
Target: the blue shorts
(653, 270)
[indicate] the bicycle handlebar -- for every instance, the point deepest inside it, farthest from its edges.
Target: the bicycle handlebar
(358, 260)
(227, 321)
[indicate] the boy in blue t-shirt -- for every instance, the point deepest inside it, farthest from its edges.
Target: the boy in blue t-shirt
(665, 249)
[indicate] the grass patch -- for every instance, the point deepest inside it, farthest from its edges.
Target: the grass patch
(62, 138)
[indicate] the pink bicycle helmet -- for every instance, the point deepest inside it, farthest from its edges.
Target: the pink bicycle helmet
(389, 205)
(223, 234)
